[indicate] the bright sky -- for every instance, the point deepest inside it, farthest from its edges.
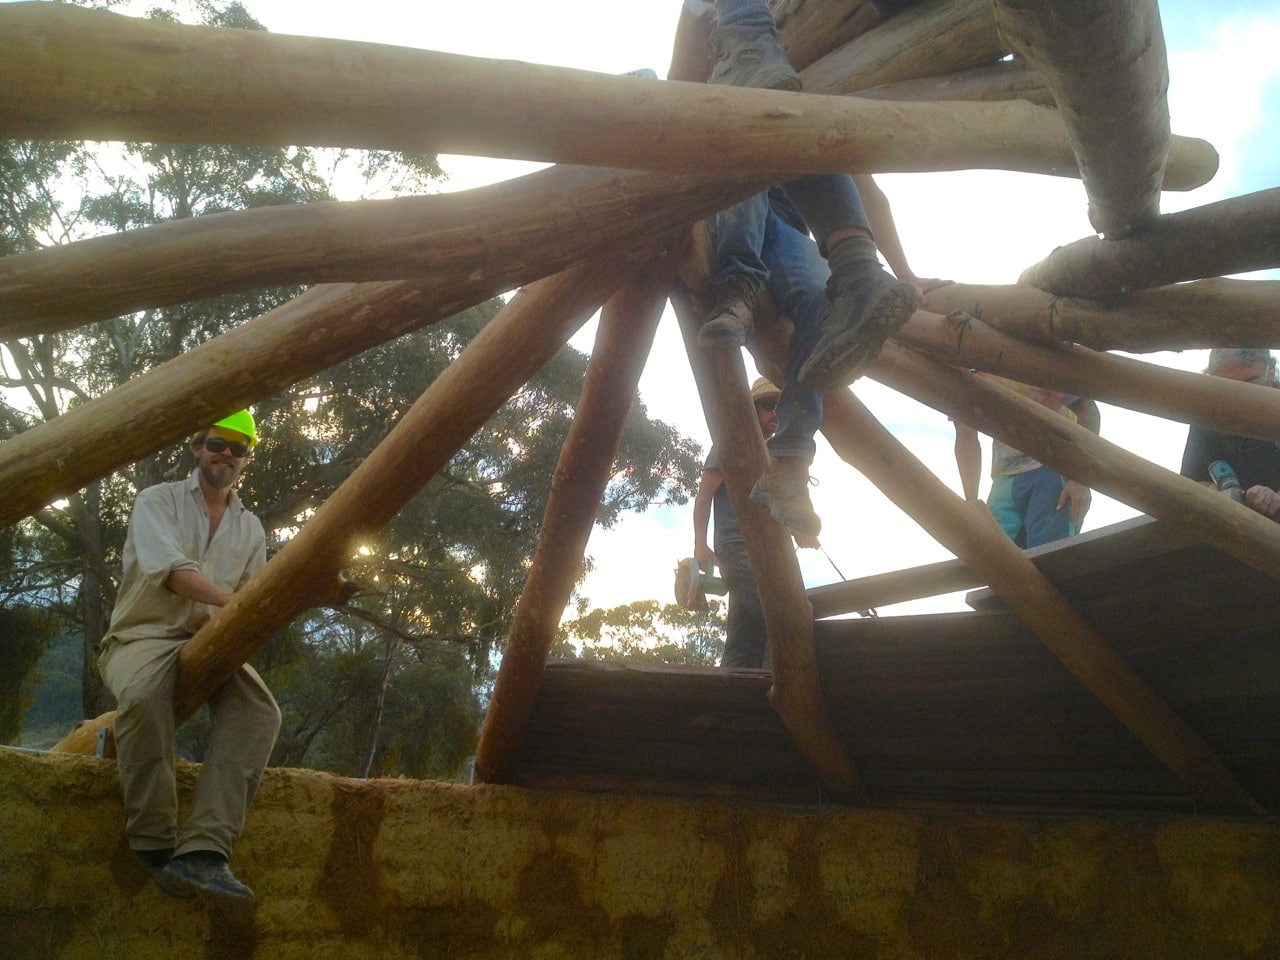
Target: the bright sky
(977, 227)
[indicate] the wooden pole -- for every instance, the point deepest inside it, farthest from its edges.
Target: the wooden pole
(813, 30)
(174, 83)
(1227, 405)
(1106, 66)
(796, 693)
(308, 334)
(623, 340)
(1006, 80)
(503, 356)
(1184, 316)
(973, 535)
(938, 36)
(1230, 236)
(510, 234)
(1076, 452)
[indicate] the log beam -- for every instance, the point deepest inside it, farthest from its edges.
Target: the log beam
(937, 36)
(1105, 63)
(796, 693)
(311, 333)
(1249, 409)
(510, 234)
(1238, 235)
(814, 30)
(1006, 80)
(541, 318)
(969, 530)
(623, 339)
(1076, 452)
(174, 83)
(1186, 316)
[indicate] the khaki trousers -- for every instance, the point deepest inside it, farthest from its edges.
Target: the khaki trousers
(141, 674)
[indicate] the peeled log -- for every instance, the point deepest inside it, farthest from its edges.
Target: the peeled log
(511, 233)
(1006, 80)
(487, 373)
(1077, 453)
(939, 36)
(623, 339)
(1106, 65)
(1238, 235)
(173, 83)
(308, 334)
(817, 28)
(1185, 316)
(1227, 405)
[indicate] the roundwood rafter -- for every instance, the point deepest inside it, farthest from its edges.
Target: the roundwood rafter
(1238, 235)
(1106, 66)
(1185, 316)
(173, 83)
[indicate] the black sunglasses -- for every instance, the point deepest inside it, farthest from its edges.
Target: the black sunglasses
(217, 445)
(769, 405)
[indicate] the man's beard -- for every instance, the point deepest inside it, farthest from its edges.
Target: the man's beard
(220, 479)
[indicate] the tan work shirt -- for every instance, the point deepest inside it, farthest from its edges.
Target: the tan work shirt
(168, 531)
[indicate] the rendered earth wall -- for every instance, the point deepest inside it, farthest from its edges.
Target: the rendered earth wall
(406, 869)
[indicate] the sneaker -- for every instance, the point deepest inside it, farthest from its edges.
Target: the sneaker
(867, 306)
(154, 862)
(733, 314)
(783, 490)
(750, 57)
(207, 870)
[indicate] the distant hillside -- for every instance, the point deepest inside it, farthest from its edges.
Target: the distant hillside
(57, 706)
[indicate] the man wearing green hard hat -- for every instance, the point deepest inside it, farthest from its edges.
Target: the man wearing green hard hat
(191, 544)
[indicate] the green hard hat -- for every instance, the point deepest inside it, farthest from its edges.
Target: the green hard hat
(241, 422)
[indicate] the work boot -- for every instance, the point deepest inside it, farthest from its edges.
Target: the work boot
(750, 57)
(731, 317)
(783, 489)
(867, 305)
(154, 862)
(207, 870)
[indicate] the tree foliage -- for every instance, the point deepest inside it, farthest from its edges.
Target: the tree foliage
(396, 683)
(628, 632)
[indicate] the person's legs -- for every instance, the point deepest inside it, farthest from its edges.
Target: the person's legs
(141, 676)
(746, 642)
(1045, 521)
(744, 48)
(1004, 507)
(868, 304)
(797, 279)
(740, 272)
(246, 721)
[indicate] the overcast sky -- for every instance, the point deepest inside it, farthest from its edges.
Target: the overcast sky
(975, 227)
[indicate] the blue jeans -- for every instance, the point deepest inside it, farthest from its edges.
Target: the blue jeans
(1026, 507)
(746, 643)
(751, 13)
(756, 239)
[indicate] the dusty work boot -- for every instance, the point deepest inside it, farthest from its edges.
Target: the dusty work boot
(783, 490)
(744, 56)
(734, 311)
(868, 305)
(154, 862)
(207, 870)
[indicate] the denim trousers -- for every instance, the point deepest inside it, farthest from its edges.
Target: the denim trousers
(1026, 507)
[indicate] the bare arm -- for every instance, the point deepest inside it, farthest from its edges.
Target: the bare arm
(710, 483)
(195, 586)
(1073, 492)
(885, 230)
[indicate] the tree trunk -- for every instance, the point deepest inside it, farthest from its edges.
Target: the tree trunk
(175, 83)
(1106, 66)
(937, 36)
(1184, 316)
(818, 28)
(540, 319)
(1227, 405)
(625, 335)
(1230, 236)
(318, 329)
